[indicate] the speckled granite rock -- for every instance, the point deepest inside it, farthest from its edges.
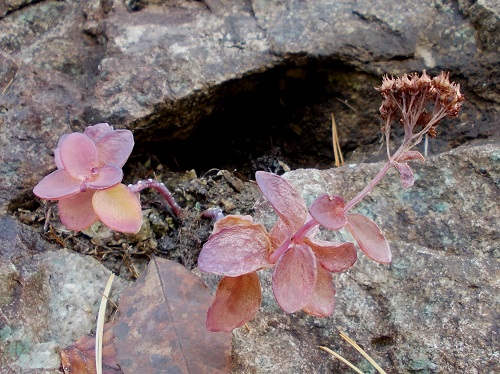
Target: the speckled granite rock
(49, 298)
(433, 310)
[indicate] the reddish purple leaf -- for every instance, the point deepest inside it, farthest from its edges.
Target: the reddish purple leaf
(118, 208)
(76, 212)
(411, 156)
(236, 302)
(286, 201)
(78, 155)
(115, 147)
(56, 185)
(334, 257)
(369, 237)
(57, 153)
(108, 176)
(231, 220)
(294, 278)
(235, 250)
(162, 325)
(322, 301)
(97, 131)
(405, 174)
(327, 211)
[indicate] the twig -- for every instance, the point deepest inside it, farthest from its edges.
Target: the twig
(8, 84)
(100, 325)
(336, 355)
(339, 159)
(360, 350)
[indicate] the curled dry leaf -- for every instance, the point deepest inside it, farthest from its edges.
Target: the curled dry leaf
(162, 328)
(80, 357)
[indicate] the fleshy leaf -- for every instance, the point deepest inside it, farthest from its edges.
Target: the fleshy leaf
(78, 155)
(97, 131)
(76, 212)
(237, 301)
(115, 147)
(411, 156)
(322, 301)
(57, 185)
(235, 250)
(327, 211)
(286, 201)
(370, 238)
(294, 278)
(231, 220)
(108, 176)
(57, 152)
(405, 174)
(334, 257)
(118, 208)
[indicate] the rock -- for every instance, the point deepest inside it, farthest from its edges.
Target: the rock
(434, 309)
(49, 298)
(163, 69)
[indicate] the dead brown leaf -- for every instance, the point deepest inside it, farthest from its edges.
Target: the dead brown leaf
(161, 327)
(79, 358)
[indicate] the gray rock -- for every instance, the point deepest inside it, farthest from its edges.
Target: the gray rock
(160, 68)
(48, 299)
(433, 310)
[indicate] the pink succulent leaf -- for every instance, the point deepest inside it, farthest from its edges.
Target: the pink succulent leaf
(76, 212)
(107, 176)
(57, 185)
(370, 238)
(405, 174)
(97, 131)
(118, 208)
(286, 201)
(279, 233)
(322, 301)
(57, 152)
(115, 147)
(411, 156)
(294, 278)
(334, 257)
(78, 155)
(237, 301)
(235, 250)
(328, 211)
(232, 220)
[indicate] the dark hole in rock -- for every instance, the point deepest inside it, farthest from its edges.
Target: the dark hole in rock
(280, 116)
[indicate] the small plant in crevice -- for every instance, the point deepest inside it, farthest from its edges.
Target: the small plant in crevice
(87, 182)
(303, 265)
(87, 185)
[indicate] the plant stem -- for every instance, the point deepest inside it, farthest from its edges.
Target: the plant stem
(162, 189)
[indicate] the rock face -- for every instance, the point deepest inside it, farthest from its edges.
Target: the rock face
(173, 71)
(434, 309)
(161, 68)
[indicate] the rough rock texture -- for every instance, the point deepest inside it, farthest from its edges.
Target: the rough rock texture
(214, 69)
(433, 310)
(48, 299)
(161, 68)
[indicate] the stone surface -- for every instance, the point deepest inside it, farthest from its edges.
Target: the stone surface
(161, 68)
(48, 299)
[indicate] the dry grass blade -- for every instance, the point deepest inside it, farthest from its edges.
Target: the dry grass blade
(336, 355)
(8, 85)
(339, 159)
(100, 325)
(360, 350)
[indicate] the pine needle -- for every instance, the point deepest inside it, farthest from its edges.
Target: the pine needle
(360, 350)
(336, 355)
(339, 159)
(100, 325)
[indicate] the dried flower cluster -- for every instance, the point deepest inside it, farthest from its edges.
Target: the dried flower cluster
(419, 102)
